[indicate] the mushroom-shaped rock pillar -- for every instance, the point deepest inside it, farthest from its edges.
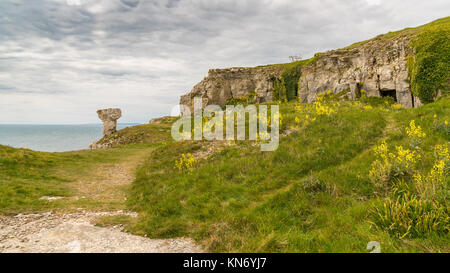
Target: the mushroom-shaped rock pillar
(109, 118)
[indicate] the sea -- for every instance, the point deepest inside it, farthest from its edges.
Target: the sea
(52, 138)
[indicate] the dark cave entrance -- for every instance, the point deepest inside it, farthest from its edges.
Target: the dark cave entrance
(389, 93)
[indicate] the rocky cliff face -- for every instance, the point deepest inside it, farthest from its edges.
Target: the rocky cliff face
(378, 67)
(222, 85)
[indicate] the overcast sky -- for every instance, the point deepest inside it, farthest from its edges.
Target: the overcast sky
(61, 60)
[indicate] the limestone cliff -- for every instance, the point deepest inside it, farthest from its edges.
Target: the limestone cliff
(377, 66)
(222, 85)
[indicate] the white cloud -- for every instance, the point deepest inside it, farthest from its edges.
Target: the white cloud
(59, 63)
(373, 2)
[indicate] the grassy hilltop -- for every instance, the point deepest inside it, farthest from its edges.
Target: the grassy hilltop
(345, 173)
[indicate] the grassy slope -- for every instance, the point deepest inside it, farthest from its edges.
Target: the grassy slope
(145, 133)
(311, 195)
(410, 31)
(26, 176)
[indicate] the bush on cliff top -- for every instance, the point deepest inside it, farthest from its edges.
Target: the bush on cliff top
(429, 65)
(287, 87)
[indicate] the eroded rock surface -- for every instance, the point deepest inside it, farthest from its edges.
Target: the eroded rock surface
(378, 66)
(222, 85)
(75, 232)
(109, 118)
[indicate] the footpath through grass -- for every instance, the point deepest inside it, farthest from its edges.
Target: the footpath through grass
(93, 180)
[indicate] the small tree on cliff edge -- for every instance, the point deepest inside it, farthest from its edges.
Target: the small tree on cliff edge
(295, 58)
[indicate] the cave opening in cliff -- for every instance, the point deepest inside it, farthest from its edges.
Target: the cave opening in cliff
(389, 93)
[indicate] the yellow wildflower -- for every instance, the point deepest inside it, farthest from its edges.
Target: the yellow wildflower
(396, 106)
(185, 162)
(415, 131)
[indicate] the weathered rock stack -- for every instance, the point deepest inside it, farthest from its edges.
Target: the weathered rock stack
(109, 118)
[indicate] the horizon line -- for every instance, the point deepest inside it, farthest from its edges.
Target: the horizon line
(119, 123)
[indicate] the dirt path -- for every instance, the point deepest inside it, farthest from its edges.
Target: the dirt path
(107, 183)
(76, 232)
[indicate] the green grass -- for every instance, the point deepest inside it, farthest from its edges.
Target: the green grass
(146, 133)
(25, 178)
(124, 221)
(26, 175)
(410, 32)
(311, 195)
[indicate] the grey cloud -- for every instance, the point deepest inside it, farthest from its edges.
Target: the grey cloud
(130, 3)
(142, 55)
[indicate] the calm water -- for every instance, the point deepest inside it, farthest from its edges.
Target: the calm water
(52, 138)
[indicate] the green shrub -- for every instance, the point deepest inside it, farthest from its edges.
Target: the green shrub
(313, 185)
(287, 86)
(418, 208)
(279, 90)
(413, 217)
(390, 164)
(429, 66)
(291, 75)
(244, 100)
(377, 101)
